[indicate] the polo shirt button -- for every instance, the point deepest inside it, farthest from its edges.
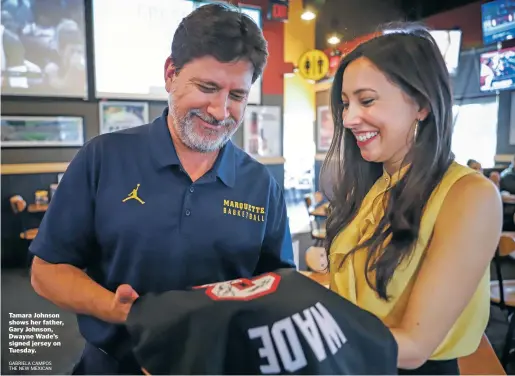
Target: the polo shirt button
(188, 212)
(192, 189)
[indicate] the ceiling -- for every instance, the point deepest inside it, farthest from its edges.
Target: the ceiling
(419, 9)
(352, 18)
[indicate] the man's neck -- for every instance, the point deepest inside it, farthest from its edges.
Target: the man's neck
(195, 163)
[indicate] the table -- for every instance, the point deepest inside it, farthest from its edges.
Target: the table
(37, 208)
(320, 211)
(322, 278)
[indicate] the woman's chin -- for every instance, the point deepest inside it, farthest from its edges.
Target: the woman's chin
(369, 156)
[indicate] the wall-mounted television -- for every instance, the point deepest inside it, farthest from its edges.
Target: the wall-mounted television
(254, 13)
(498, 20)
(132, 39)
(497, 70)
(43, 48)
(449, 44)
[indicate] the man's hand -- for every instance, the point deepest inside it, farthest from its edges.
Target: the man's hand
(123, 299)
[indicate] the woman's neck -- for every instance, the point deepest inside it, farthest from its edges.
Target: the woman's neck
(396, 162)
(392, 167)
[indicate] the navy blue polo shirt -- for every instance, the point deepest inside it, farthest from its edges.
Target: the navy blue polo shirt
(126, 212)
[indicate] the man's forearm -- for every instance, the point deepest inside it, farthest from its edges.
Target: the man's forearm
(70, 288)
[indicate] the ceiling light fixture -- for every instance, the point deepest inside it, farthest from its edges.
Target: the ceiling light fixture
(308, 15)
(333, 40)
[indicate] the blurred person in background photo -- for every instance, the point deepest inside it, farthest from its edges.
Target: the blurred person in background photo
(411, 232)
(46, 45)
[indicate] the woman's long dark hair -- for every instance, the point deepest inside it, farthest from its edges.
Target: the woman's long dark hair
(411, 60)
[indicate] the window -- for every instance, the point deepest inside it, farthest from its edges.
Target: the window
(475, 130)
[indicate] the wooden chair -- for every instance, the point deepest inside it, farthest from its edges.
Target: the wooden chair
(316, 260)
(502, 291)
(318, 265)
(323, 279)
(483, 361)
(317, 231)
(18, 206)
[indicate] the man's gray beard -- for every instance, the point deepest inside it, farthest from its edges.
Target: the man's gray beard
(194, 141)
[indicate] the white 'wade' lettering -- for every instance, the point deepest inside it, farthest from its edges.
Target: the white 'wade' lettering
(315, 324)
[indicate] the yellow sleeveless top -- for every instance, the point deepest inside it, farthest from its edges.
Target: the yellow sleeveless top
(348, 280)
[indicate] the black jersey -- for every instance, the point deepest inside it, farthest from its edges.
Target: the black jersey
(276, 323)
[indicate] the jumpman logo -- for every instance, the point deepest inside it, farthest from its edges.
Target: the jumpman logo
(134, 196)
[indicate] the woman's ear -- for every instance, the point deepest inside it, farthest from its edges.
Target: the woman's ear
(423, 113)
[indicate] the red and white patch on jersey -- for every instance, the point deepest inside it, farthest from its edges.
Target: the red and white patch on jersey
(243, 288)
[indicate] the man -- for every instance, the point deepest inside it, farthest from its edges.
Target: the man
(507, 188)
(475, 165)
(168, 205)
(508, 178)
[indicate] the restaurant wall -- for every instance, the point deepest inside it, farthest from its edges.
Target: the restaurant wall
(468, 19)
(25, 170)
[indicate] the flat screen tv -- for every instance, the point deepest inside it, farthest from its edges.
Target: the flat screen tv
(498, 20)
(497, 70)
(132, 39)
(255, 14)
(43, 48)
(449, 44)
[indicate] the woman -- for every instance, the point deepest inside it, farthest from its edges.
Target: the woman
(411, 232)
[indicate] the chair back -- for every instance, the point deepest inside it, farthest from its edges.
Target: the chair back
(505, 248)
(316, 259)
(506, 244)
(319, 197)
(308, 201)
(313, 199)
(18, 204)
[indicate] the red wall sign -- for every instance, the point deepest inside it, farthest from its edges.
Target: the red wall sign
(278, 10)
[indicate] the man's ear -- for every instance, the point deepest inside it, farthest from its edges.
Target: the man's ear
(169, 73)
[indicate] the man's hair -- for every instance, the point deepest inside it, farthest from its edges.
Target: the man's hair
(223, 32)
(470, 162)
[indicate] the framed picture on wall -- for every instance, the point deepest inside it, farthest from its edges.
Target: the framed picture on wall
(42, 131)
(262, 131)
(325, 128)
(115, 116)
